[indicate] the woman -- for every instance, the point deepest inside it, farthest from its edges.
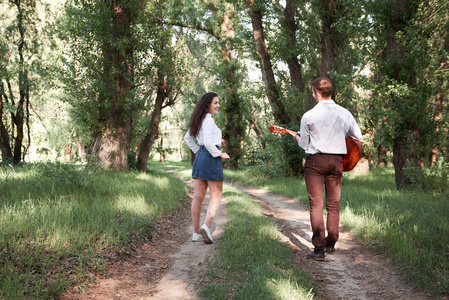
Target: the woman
(207, 169)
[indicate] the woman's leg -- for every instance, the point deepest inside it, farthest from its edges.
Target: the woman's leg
(215, 191)
(199, 192)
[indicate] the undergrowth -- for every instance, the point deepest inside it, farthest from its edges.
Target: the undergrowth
(61, 222)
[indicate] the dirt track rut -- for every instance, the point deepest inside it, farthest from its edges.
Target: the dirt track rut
(169, 267)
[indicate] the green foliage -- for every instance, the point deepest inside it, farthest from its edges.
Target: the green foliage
(403, 104)
(390, 96)
(20, 48)
(270, 161)
(410, 226)
(155, 60)
(432, 180)
(63, 175)
(3, 53)
(61, 222)
(132, 160)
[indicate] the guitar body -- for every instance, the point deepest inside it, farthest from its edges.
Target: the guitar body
(351, 158)
(353, 147)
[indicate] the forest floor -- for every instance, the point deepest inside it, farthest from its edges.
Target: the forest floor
(169, 266)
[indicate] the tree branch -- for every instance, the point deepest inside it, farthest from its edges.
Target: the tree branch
(204, 29)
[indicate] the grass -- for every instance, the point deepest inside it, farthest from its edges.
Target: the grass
(410, 227)
(252, 262)
(59, 222)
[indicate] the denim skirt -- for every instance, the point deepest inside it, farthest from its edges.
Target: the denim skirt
(206, 166)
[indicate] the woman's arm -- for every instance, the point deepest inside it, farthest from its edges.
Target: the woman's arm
(190, 142)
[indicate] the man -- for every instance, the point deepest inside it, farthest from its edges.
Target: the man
(322, 135)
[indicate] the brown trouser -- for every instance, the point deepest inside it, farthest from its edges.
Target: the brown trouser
(324, 171)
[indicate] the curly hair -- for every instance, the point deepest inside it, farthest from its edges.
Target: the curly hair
(199, 113)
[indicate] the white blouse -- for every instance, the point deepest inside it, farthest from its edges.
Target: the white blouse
(209, 136)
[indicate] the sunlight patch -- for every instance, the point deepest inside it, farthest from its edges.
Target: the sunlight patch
(135, 204)
(367, 228)
(286, 288)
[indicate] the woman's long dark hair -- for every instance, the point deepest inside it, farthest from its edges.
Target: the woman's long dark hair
(199, 113)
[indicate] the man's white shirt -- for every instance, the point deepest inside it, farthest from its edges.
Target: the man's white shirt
(324, 129)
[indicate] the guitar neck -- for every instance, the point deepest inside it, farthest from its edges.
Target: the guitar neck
(281, 130)
(291, 132)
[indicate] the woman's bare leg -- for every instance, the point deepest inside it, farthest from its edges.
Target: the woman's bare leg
(215, 191)
(199, 192)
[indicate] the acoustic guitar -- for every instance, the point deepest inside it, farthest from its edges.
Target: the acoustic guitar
(353, 147)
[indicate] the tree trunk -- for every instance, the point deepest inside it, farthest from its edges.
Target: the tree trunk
(161, 150)
(112, 144)
(293, 64)
(18, 140)
(294, 159)
(381, 152)
(112, 147)
(234, 131)
(67, 152)
(80, 149)
(440, 96)
(279, 111)
(331, 38)
(256, 128)
(4, 134)
(147, 143)
(23, 90)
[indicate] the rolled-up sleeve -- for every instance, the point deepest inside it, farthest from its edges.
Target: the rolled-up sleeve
(354, 129)
(304, 135)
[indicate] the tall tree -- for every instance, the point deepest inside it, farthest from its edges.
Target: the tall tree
(291, 57)
(102, 80)
(332, 39)
(227, 69)
(16, 68)
(437, 22)
(228, 73)
(112, 143)
(4, 134)
(404, 49)
(276, 44)
(162, 92)
(266, 66)
(170, 74)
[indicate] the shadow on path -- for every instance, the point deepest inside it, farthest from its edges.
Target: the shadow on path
(353, 272)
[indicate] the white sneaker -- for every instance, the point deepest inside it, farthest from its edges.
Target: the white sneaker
(197, 237)
(205, 232)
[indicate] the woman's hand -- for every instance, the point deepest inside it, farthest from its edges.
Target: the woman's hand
(224, 155)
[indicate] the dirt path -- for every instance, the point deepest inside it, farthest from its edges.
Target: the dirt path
(169, 266)
(166, 268)
(353, 272)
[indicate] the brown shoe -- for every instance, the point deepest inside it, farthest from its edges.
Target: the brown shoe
(317, 255)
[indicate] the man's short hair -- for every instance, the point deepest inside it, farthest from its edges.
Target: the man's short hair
(323, 85)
